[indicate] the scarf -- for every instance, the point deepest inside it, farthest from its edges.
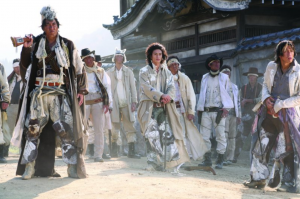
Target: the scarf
(214, 73)
(93, 69)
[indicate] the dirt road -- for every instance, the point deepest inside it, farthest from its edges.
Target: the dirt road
(126, 178)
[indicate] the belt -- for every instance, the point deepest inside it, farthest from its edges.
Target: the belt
(177, 104)
(158, 105)
(94, 101)
(38, 83)
(212, 109)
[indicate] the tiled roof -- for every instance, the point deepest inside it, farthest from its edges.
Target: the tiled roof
(267, 40)
(126, 15)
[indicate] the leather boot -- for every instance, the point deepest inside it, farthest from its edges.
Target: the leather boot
(72, 171)
(2, 159)
(91, 149)
(131, 151)
(114, 150)
(220, 161)
(6, 150)
(255, 184)
(207, 160)
(29, 171)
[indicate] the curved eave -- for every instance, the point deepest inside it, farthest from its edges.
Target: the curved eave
(227, 6)
(127, 25)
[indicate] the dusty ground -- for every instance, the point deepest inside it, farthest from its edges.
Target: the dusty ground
(126, 178)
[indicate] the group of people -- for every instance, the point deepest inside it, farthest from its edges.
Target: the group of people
(53, 93)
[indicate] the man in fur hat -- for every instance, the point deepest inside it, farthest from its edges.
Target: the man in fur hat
(124, 103)
(4, 101)
(250, 94)
(185, 100)
(97, 101)
(213, 105)
(55, 90)
(233, 118)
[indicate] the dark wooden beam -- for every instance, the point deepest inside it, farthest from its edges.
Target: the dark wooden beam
(197, 39)
(240, 23)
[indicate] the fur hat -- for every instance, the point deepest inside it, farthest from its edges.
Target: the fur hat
(48, 13)
(87, 52)
(120, 52)
(212, 58)
(16, 62)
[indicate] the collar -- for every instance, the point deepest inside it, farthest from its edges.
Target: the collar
(214, 73)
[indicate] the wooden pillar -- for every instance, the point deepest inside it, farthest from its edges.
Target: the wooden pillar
(197, 39)
(240, 25)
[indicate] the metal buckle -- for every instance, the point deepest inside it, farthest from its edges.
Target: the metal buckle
(207, 109)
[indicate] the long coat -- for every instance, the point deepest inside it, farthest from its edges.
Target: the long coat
(198, 146)
(73, 76)
(130, 89)
(149, 95)
(294, 87)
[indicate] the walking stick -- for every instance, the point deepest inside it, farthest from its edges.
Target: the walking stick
(165, 138)
(109, 140)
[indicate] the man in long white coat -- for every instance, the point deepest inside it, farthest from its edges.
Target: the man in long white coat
(234, 117)
(213, 106)
(124, 104)
(185, 100)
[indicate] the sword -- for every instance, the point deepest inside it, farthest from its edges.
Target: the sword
(109, 139)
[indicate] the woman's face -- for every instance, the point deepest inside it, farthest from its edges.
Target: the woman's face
(156, 57)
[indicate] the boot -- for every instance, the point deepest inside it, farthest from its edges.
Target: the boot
(253, 184)
(91, 149)
(106, 156)
(220, 161)
(29, 171)
(6, 150)
(2, 159)
(72, 171)
(115, 150)
(207, 160)
(131, 151)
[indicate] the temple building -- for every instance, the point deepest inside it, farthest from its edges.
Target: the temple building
(243, 32)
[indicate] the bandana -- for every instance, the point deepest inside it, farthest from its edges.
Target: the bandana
(16, 64)
(225, 69)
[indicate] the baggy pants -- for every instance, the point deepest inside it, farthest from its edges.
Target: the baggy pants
(230, 132)
(12, 113)
(127, 125)
(272, 132)
(207, 123)
(97, 113)
(56, 108)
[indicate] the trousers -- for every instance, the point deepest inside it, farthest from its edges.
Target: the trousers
(206, 128)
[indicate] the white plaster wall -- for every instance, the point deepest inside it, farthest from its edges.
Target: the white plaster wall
(216, 25)
(185, 54)
(217, 48)
(178, 33)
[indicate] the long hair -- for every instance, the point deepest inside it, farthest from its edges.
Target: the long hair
(151, 48)
(281, 47)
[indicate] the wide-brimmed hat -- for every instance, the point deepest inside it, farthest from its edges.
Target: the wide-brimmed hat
(253, 71)
(87, 52)
(98, 58)
(212, 58)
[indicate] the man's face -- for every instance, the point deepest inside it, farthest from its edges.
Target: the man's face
(17, 70)
(119, 59)
(215, 65)
(227, 73)
(174, 68)
(156, 57)
(99, 64)
(288, 55)
(50, 29)
(252, 79)
(89, 61)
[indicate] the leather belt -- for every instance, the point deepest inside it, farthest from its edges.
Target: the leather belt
(94, 101)
(38, 83)
(158, 105)
(212, 109)
(177, 104)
